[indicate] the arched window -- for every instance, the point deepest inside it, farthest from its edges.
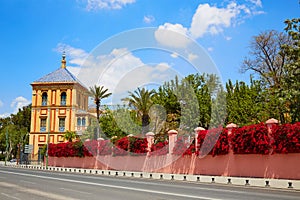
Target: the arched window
(83, 121)
(78, 121)
(44, 98)
(63, 99)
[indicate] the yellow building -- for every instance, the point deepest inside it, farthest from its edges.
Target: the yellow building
(59, 103)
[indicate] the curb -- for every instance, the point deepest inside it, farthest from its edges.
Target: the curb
(238, 181)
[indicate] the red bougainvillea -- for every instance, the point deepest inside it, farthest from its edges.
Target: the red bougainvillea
(213, 141)
(91, 146)
(121, 147)
(251, 139)
(159, 148)
(184, 148)
(68, 149)
(104, 147)
(286, 138)
(180, 146)
(134, 145)
(222, 145)
(138, 146)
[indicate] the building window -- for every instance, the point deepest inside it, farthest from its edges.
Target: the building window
(83, 121)
(62, 124)
(44, 98)
(43, 125)
(78, 121)
(63, 99)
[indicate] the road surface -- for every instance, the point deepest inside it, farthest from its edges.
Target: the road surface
(25, 184)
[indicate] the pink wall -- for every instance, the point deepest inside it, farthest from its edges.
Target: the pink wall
(283, 166)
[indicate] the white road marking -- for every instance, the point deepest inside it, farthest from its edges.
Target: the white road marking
(116, 187)
(9, 196)
(28, 182)
(68, 189)
(35, 192)
(164, 184)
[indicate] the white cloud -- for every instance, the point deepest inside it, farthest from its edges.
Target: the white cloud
(227, 38)
(256, 2)
(174, 55)
(107, 4)
(74, 70)
(19, 102)
(210, 49)
(208, 19)
(74, 55)
(4, 115)
(149, 19)
(162, 67)
(125, 72)
(120, 71)
(192, 56)
(172, 35)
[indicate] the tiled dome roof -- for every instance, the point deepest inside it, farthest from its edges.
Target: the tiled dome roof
(59, 75)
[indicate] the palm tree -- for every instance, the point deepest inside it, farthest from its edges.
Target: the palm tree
(70, 136)
(98, 93)
(141, 101)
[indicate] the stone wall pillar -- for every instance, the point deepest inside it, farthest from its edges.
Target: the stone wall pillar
(270, 123)
(172, 140)
(229, 128)
(150, 140)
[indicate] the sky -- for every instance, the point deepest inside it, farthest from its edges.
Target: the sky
(127, 43)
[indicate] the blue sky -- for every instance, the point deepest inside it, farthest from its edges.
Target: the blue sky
(34, 34)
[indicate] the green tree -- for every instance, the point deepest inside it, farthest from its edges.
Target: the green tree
(18, 127)
(98, 93)
(141, 101)
(291, 83)
(177, 97)
(266, 58)
(206, 87)
(219, 109)
(269, 61)
(91, 130)
(70, 136)
(247, 104)
(167, 99)
(119, 122)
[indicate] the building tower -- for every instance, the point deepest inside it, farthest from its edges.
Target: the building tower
(59, 104)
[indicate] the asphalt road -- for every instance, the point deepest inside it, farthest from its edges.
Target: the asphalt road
(25, 184)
